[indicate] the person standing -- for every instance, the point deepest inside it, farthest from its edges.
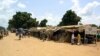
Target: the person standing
(76, 35)
(79, 39)
(72, 38)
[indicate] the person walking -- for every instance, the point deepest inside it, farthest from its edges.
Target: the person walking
(20, 32)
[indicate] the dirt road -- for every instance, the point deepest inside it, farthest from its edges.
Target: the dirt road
(11, 46)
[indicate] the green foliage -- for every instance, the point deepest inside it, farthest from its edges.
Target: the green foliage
(22, 19)
(70, 18)
(2, 28)
(93, 25)
(30, 23)
(98, 27)
(80, 24)
(43, 23)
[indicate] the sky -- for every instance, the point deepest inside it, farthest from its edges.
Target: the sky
(52, 10)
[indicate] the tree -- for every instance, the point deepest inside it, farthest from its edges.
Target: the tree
(94, 25)
(31, 23)
(80, 23)
(43, 23)
(22, 20)
(98, 27)
(70, 18)
(2, 28)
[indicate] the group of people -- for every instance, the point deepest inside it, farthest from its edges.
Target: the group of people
(20, 32)
(3, 33)
(78, 37)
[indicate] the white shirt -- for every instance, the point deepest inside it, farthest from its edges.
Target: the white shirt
(73, 36)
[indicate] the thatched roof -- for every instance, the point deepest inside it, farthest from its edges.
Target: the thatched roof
(74, 26)
(71, 27)
(57, 28)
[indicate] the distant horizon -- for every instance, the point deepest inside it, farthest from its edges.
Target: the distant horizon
(52, 10)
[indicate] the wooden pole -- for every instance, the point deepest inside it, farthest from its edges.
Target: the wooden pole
(96, 39)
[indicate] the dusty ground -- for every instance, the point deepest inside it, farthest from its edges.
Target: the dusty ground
(10, 46)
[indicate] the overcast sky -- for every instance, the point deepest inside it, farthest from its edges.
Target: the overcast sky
(52, 10)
